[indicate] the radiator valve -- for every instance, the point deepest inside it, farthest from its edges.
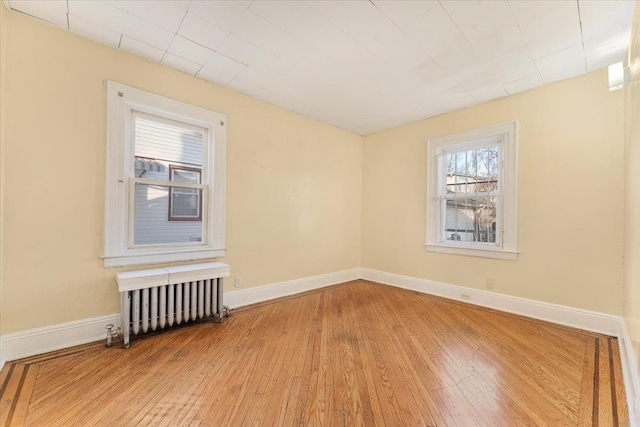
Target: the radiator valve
(112, 332)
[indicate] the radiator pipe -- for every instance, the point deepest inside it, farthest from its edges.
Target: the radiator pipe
(111, 334)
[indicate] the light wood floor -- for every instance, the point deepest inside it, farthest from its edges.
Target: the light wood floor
(348, 355)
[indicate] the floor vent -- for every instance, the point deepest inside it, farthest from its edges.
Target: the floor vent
(161, 298)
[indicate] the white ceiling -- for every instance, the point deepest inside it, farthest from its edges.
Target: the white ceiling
(360, 65)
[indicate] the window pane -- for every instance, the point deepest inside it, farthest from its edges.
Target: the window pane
(191, 177)
(185, 203)
(472, 219)
(167, 141)
(151, 223)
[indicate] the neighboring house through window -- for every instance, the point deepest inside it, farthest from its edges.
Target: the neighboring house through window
(165, 191)
(472, 193)
(185, 203)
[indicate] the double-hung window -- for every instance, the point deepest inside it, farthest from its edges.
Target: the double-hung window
(472, 193)
(165, 183)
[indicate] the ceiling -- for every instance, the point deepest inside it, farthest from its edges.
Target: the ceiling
(360, 65)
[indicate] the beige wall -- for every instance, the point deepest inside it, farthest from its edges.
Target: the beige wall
(293, 185)
(570, 197)
(632, 188)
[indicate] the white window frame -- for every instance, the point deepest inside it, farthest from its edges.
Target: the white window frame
(122, 102)
(506, 246)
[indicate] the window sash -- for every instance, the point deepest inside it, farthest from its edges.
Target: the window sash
(204, 200)
(443, 196)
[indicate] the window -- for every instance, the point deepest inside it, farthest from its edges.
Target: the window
(165, 188)
(472, 193)
(184, 203)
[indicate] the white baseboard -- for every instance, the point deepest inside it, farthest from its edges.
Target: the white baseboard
(593, 321)
(630, 372)
(55, 337)
(244, 297)
(569, 316)
(64, 335)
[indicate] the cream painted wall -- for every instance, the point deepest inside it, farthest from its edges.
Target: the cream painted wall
(570, 197)
(632, 188)
(293, 185)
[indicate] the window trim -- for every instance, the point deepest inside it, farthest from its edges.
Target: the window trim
(122, 101)
(507, 133)
(170, 216)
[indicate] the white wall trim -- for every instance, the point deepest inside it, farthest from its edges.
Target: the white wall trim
(630, 372)
(55, 337)
(244, 297)
(593, 321)
(574, 317)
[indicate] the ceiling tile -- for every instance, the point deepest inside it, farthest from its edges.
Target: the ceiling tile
(446, 43)
(613, 40)
(146, 32)
(401, 11)
(604, 18)
(260, 32)
(604, 59)
(327, 39)
(428, 26)
(479, 20)
(221, 69)
(591, 10)
(53, 11)
(510, 71)
(500, 44)
(251, 55)
(221, 13)
(93, 31)
(527, 10)
(488, 93)
(552, 22)
(200, 31)
(250, 80)
(282, 14)
(523, 84)
(556, 42)
(174, 61)
(562, 65)
(429, 71)
(182, 4)
(367, 25)
(99, 13)
(190, 50)
(162, 13)
(141, 49)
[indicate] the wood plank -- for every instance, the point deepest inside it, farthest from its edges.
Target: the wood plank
(352, 354)
(622, 410)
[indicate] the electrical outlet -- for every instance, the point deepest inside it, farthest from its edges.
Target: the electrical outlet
(238, 282)
(465, 296)
(489, 283)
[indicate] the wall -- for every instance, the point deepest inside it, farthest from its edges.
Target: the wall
(3, 45)
(570, 197)
(632, 189)
(293, 185)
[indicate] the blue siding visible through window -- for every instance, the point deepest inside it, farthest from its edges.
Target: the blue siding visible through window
(167, 143)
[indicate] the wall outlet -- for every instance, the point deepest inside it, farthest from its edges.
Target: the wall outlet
(489, 283)
(238, 282)
(465, 296)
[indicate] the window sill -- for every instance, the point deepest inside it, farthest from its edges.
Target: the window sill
(157, 258)
(481, 253)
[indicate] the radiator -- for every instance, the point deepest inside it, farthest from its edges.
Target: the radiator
(162, 298)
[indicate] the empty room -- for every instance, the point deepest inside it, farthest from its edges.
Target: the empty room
(339, 213)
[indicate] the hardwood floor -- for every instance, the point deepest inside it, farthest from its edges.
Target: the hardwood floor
(349, 355)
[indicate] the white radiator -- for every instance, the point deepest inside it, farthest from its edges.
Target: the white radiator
(164, 297)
